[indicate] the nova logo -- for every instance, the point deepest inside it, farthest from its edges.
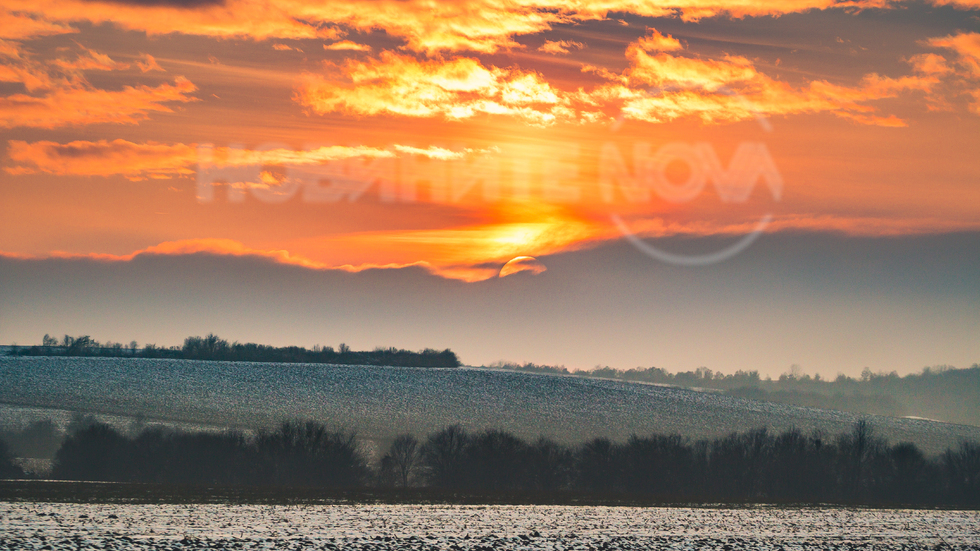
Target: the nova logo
(750, 165)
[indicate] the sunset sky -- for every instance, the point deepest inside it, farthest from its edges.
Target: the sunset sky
(744, 184)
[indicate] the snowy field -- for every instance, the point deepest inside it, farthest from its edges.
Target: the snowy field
(56, 526)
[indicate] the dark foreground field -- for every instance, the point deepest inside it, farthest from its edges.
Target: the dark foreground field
(57, 491)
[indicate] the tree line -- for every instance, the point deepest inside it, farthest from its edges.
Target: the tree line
(941, 392)
(214, 348)
(750, 467)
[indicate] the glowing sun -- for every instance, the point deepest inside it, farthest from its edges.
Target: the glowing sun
(522, 264)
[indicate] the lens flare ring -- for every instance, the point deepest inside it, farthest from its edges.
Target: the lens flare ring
(707, 259)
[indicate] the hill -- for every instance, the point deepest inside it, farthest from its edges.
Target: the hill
(942, 393)
(378, 401)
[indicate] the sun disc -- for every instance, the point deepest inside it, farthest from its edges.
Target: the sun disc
(522, 264)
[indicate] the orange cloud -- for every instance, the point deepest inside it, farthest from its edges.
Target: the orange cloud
(426, 26)
(731, 89)
(225, 247)
(18, 67)
(70, 99)
(962, 4)
(458, 88)
(481, 26)
(560, 46)
(89, 60)
(870, 226)
(347, 45)
(257, 19)
(967, 45)
(101, 158)
(930, 64)
(660, 84)
(490, 25)
(147, 63)
(77, 105)
(230, 247)
(226, 156)
(138, 161)
(233, 248)
(663, 69)
(27, 25)
(655, 41)
(222, 247)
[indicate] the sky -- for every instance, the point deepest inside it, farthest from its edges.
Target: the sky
(747, 184)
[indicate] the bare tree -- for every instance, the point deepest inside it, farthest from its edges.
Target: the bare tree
(857, 452)
(403, 457)
(443, 455)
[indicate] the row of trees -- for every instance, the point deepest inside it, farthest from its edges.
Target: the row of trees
(701, 377)
(941, 392)
(295, 454)
(794, 379)
(8, 468)
(755, 466)
(212, 347)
